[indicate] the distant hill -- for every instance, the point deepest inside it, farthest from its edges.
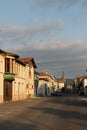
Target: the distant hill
(69, 81)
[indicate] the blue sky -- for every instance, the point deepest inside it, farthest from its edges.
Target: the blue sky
(53, 32)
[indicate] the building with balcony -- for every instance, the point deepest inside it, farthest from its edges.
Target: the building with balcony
(16, 77)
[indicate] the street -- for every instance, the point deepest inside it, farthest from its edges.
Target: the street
(45, 113)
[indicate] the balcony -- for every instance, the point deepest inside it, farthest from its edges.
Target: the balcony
(9, 76)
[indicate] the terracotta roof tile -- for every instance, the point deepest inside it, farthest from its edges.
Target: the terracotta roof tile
(81, 77)
(45, 79)
(28, 60)
(25, 60)
(43, 74)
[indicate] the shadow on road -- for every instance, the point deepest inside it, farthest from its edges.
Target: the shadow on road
(62, 113)
(68, 101)
(67, 114)
(8, 125)
(49, 108)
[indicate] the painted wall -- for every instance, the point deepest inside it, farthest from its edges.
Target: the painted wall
(19, 84)
(31, 81)
(1, 77)
(84, 82)
(19, 90)
(42, 88)
(61, 85)
(85, 87)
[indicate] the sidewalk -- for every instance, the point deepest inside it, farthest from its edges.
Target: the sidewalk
(33, 99)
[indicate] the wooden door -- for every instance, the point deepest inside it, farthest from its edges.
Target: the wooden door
(7, 90)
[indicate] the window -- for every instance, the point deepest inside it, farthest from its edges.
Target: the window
(7, 65)
(30, 72)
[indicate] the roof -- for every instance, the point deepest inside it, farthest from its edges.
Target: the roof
(46, 74)
(10, 54)
(25, 60)
(43, 74)
(28, 60)
(81, 77)
(45, 79)
(20, 62)
(1, 51)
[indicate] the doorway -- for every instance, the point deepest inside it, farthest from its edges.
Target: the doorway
(7, 90)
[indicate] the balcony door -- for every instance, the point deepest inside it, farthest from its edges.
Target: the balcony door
(7, 90)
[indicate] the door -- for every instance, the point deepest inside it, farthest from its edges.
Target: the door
(7, 90)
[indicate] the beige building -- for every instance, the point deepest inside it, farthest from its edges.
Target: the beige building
(81, 83)
(46, 84)
(56, 84)
(2, 54)
(7, 75)
(30, 75)
(16, 77)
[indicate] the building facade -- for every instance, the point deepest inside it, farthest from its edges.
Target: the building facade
(30, 75)
(46, 84)
(16, 77)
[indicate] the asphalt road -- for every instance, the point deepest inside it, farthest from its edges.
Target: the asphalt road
(56, 113)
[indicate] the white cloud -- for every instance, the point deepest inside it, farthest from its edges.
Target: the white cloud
(52, 45)
(56, 23)
(15, 35)
(53, 56)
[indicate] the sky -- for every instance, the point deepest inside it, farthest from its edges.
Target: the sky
(53, 32)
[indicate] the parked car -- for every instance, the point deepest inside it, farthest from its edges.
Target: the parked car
(53, 93)
(56, 93)
(75, 91)
(81, 92)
